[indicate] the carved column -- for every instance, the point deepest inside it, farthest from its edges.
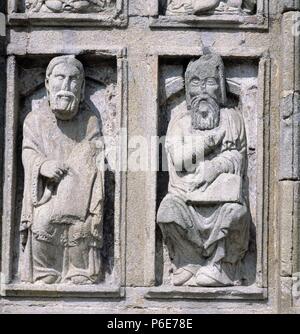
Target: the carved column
(135, 55)
(2, 98)
(289, 173)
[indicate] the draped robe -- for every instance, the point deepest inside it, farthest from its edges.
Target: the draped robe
(198, 235)
(60, 216)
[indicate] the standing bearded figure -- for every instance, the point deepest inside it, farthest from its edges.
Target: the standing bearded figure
(204, 218)
(61, 228)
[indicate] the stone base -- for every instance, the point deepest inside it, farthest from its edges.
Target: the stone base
(233, 293)
(216, 21)
(67, 20)
(61, 290)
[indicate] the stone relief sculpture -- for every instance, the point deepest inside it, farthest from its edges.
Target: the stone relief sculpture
(204, 218)
(199, 7)
(69, 6)
(63, 158)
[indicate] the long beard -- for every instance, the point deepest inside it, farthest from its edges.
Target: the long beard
(207, 119)
(64, 105)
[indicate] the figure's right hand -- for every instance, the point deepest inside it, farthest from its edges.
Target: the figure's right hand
(54, 170)
(24, 234)
(23, 239)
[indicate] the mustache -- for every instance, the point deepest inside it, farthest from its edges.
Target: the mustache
(64, 101)
(204, 97)
(65, 93)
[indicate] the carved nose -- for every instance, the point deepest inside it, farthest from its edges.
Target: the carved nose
(65, 85)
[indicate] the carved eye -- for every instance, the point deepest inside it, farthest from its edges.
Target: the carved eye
(60, 77)
(211, 82)
(196, 82)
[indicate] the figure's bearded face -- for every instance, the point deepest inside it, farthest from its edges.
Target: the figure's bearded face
(205, 95)
(205, 113)
(64, 88)
(207, 85)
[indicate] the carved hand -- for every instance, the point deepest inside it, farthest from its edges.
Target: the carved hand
(53, 169)
(207, 176)
(210, 174)
(95, 227)
(24, 235)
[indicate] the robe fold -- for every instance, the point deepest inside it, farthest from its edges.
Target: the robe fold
(60, 216)
(198, 234)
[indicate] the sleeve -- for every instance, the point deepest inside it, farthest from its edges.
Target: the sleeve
(181, 148)
(97, 197)
(231, 162)
(234, 145)
(93, 127)
(32, 158)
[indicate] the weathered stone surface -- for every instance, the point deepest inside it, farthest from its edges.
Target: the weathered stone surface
(2, 101)
(289, 159)
(143, 8)
(252, 14)
(69, 6)
(206, 154)
(55, 134)
(289, 5)
(289, 104)
(68, 12)
(63, 159)
(289, 232)
(135, 58)
(198, 7)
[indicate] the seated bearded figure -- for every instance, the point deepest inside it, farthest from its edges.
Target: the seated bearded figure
(204, 218)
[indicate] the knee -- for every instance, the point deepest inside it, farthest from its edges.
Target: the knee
(236, 212)
(169, 210)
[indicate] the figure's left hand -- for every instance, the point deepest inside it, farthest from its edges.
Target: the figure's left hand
(206, 177)
(210, 174)
(96, 226)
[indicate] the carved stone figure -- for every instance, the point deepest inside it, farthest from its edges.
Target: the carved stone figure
(71, 6)
(205, 218)
(62, 154)
(199, 7)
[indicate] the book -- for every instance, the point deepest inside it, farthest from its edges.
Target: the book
(226, 188)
